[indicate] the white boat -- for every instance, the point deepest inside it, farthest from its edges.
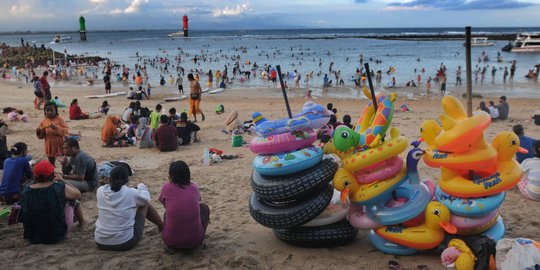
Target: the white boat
(526, 42)
(481, 42)
(176, 34)
(61, 39)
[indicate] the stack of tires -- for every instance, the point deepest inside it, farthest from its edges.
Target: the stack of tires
(292, 193)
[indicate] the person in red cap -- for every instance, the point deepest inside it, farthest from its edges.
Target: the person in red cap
(46, 217)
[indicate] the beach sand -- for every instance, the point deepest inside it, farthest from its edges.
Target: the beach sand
(234, 239)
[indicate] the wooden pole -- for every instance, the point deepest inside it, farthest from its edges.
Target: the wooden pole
(468, 69)
(278, 68)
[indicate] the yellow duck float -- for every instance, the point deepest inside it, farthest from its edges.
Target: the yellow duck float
(426, 236)
(507, 175)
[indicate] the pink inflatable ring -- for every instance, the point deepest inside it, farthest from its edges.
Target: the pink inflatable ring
(384, 170)
(283, 142)
(474, 225)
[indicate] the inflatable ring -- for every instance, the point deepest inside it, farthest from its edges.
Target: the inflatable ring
(294, 186)
(497, 231)
(369, 193)
(470, 207)
(389, 247)
(337, 234)
(417, 196)
(289, 215)
(288, 163)
(459, 131)
(474, 225)
(313, 116)
(480, 160)
(333, 213)
(383, 170)
(533, 192)
(359, 219)
(390, 148)
(283, 142)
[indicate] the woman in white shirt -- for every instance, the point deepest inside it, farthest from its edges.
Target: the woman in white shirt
(122, 213)
(493, 111)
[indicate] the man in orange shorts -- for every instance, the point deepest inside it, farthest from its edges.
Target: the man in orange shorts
(194, 97)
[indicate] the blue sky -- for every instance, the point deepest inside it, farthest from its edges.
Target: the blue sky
(42, 15)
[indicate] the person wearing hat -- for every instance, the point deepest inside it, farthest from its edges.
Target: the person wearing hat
(186, 130)
(504, 108)
(46, 217)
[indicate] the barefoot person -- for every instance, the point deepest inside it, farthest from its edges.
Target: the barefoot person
(52, 130)
(194, 97)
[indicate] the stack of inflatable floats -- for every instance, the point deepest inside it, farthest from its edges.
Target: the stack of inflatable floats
(386, 194)
(474, 174)
(292, 193)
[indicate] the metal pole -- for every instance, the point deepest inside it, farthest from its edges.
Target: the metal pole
(468, 69)
(283, 90)
(373, 98)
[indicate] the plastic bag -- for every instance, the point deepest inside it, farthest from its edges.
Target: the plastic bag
(519, 253)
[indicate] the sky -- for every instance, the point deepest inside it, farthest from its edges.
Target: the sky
(49, 15)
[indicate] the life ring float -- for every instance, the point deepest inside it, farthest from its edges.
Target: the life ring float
(283, 142)
(507, 175)
(379, 171)
(370, 128)
(459, 131)
(288, 163)
(426, 236)
(389, 148)
(333, 213)
(474, 225)
(479, 159)
(416, 196)
(470, 207)
(367, 194)
(389, 247)
(497, 231)
(359, 219)
(312, 116)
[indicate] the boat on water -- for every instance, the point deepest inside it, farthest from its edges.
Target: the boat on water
(525, 42)
(481, 42)
(61, 39)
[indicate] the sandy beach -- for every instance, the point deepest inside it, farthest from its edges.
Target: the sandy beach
(234, 239)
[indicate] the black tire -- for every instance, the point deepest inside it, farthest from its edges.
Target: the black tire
(294, 186)
(291, 214)
(337, 234)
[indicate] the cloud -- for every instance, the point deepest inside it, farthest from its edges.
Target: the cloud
(135, 6)
(458, 4)
(239, 10)
(20, 9)
(99, 2)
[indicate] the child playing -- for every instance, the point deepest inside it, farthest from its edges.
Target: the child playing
(16, 172)
(186, 217)
(155, 116)
(104, 109)
(52, 130)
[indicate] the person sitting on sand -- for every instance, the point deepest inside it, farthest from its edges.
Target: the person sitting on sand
(493, 111)
(503, 107)
(186, 218)
(110, 134)
(128, 112)
(347, 121)
(122, 212)
(132, 127)
(165, 136)
(525, 142)
(531, 166)
(483, 107)
(46, 217)
(104, 108)
(75, 112)
(78, 167)
(17, 171)
(187, 130)
(155, 117)
(143, 134)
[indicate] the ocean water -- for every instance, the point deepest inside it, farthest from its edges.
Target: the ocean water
(305, 50)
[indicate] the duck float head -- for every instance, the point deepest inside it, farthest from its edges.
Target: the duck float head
(507, 144)
(345, 182)
(429, 131)
(426, 236)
